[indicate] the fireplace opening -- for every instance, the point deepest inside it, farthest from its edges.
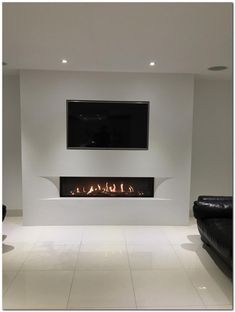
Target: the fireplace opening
(106, 187)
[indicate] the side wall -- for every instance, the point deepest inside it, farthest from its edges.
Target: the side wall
(44, 153)
(212, 163)
(12, 177)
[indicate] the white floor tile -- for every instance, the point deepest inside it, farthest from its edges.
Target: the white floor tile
(10, 224)
(154, 256)
(23, 234)
(7, 278)
(50, 256)
(103, 235)
(103, 257)
(219, 307)
(179, 307)
(194, 256)
(145, 235)
(212, 285)
(39, 290)
(13, 259)
(170, 269)
(164, 288)
(182, 234)
(102, 289)
(60, 234)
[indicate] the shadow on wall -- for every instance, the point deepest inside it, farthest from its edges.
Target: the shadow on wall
(158, 181)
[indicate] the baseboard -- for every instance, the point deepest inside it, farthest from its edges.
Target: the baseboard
(14, 213)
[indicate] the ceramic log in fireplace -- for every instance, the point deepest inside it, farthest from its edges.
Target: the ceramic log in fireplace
(106, 187)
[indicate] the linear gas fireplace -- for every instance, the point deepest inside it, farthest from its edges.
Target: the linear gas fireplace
(106, 187)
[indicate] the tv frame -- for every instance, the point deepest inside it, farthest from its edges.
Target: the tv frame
(108, 148)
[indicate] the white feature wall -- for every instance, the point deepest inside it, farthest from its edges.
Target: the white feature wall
(44, 153)
(12, 180)
(212, 165)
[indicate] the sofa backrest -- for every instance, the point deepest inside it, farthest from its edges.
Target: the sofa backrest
(213, 207)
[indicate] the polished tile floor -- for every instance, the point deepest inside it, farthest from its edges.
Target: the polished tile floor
(110, 267)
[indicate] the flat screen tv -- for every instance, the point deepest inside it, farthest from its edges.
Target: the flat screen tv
(107, 124)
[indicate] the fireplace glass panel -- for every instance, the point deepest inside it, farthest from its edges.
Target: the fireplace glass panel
(106, 187)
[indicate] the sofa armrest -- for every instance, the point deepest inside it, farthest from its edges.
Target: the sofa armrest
(213, 209)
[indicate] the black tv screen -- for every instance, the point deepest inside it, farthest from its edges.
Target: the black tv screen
(107, 124)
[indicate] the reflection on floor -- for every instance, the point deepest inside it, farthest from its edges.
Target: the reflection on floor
(109, 267)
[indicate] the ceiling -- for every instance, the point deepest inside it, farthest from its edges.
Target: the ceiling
(122, 37)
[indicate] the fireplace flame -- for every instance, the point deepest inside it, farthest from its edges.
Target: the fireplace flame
(122, 190)
(90, 190)
(106, 187)
(131, 189)
(97, 189)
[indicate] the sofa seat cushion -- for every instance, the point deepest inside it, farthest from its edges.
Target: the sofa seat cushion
(218, 233)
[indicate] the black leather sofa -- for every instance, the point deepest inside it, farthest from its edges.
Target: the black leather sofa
(4, 212)
(215, 224)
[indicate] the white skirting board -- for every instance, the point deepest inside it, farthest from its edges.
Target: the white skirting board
(14, 213)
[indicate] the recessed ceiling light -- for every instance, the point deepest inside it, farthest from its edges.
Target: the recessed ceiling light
(217, 68)
(64, 61)
(152, 63)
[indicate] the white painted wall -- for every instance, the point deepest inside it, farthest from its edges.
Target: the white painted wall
(212, 133)
(212, 166)
(43, 113)
(12, 180)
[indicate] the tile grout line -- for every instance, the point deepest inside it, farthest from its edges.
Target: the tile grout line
(132, 281)
(26, 257)
(74, 272)
(182, 265)
(188, 276)
(18, 271)
(5, 292)
(76, 268)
